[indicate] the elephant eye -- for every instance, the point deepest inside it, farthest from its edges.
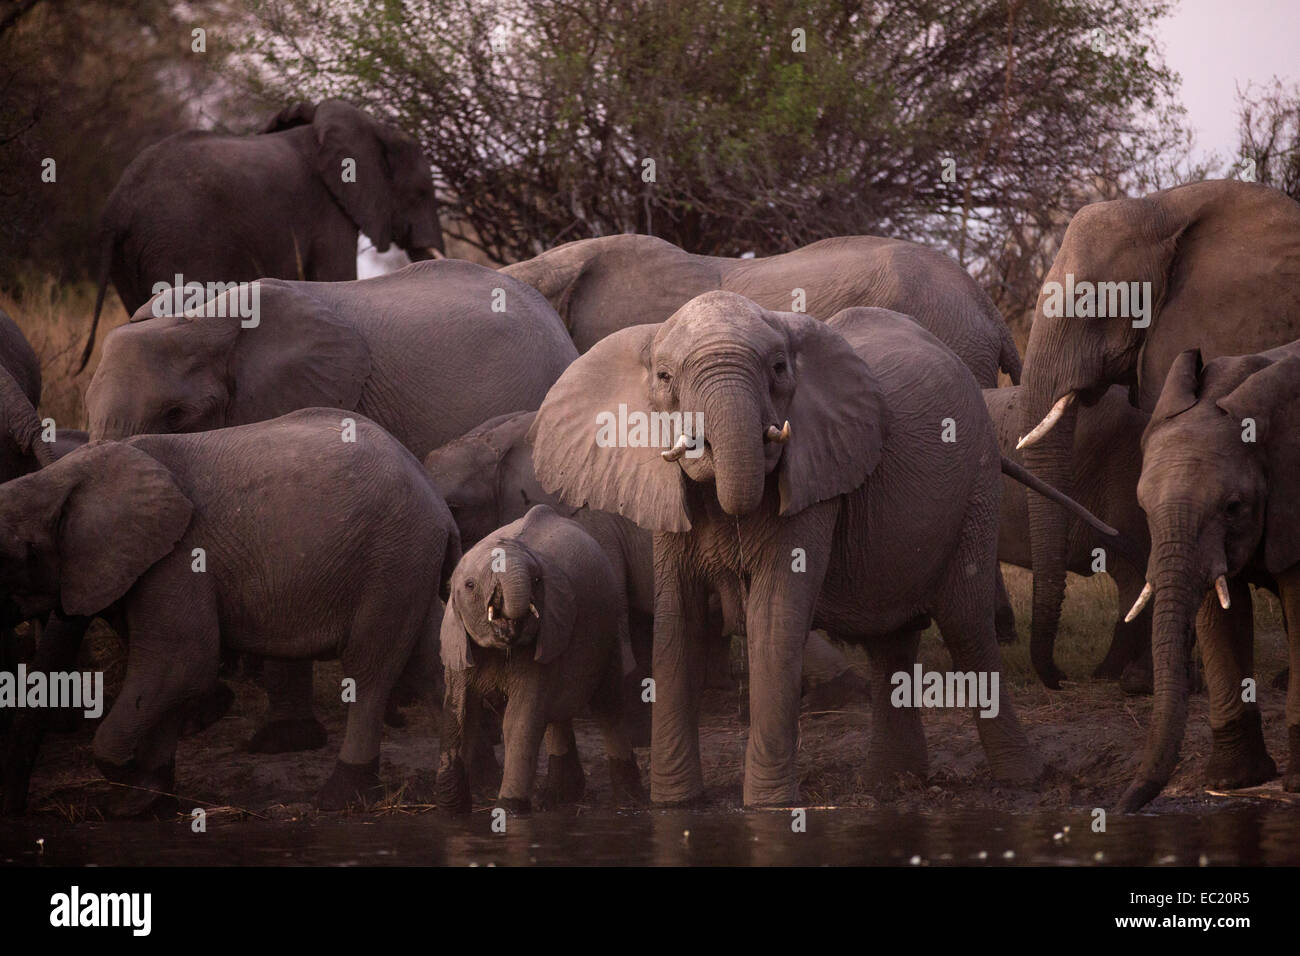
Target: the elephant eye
(665, 377)
(1234, 507)
(174, 417)
(780, 367)
(469, 585)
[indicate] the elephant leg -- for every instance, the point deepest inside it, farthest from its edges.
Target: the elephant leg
(680, 630)
(1005, 617)
(829, 680)
(523, 728)
(964, 610)
(565, 781)
(172, 660)
(778, 617)
(1238, 757)
(897, 737)
(460, 724)
(1289, 589)
(57, 651)
(1129, 656)
(636, 710)
(290, 725)
(607, 709)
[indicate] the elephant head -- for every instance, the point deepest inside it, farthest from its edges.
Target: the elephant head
(1133, 279)
(163, 374)
(1219, 486)
(76, 535)
(504, 596)
(388, 192)
(775, 393)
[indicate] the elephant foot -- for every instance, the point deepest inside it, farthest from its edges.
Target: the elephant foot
(834, 694)
(1004, 621)
(1282, 679)
(351, 785)
(393, 716)
(1239, 757)
(208, 709)
(288, 736)
(1138, 795)
(625, 781)
(565, 781)
(514, 805)
(674, 797)
(1137, 679)
(451, 790)
(142, 794)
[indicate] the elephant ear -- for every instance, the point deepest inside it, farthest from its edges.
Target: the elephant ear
(454, 641)
(581, 409)
(555, 274)
(838, 417)
(123, 512)
(343, 133)
(1181, 388)
(301, 354)
(1271, 396)
(559, 611)
(298, 114)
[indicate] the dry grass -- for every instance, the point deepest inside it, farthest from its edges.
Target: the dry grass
(55, 317)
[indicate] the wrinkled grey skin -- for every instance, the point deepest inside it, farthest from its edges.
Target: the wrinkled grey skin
(219, 208)
(602, 285)
(1108, 450)
(1218, 504)
(352, 536)
(487, 479)
(419, 351)
(1221, 257)
(865, 395)
(536, 614)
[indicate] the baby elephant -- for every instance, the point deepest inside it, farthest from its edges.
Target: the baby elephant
(541, 605)
(314, 535)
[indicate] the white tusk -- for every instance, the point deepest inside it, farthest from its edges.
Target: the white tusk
(1139, 604)
(1221, 586)
(679, 449)
(1049, 420)
(489, 613)
(779, 435)
(533, 608)
(434, 252)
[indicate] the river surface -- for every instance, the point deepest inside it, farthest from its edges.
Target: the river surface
(837, 837)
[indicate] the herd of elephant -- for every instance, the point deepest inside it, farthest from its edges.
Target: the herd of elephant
(408, 473)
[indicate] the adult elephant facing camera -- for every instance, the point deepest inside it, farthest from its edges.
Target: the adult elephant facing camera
(893, 522)
(286, 203)
(1220, 258)
(602, 285)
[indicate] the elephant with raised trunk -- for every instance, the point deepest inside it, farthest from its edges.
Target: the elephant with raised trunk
(286, 203)
(602, 285)
(1221, 488)
(535, 614)
(1209, 265)
(312, 546)
(822, 492)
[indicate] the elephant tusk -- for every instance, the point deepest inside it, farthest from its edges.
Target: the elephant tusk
(533, 607)
(678, 449)
(1140, 603)
(1221, 587)
(779, 435)
(490, 610)
(1049, 421)
(434, 253)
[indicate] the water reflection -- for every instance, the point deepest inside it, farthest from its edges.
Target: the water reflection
(1248, 835)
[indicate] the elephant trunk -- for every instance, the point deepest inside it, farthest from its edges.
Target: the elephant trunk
(22, 422)
(516, 584)
(1177, 596)
(734, 430)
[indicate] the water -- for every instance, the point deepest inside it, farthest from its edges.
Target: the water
(1238, 836)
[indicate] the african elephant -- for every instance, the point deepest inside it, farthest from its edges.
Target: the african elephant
(1108, 449)
(424, 352)
(486, 477)
(195, 543)
(1220, 486)
(286, 203)
(1216, 258)
(536, 614)
(816, 487)
(601, 285)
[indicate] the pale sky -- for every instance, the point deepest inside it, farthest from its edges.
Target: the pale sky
(1218, 44)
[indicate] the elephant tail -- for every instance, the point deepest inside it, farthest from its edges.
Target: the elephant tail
(1009, 356)
(106, 244)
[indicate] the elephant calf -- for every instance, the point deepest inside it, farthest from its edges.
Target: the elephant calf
(541, 605)
(283, 539)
